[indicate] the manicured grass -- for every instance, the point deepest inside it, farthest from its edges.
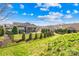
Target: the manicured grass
(1, 38)
(19, 36)
(34, 47)
(64, 45)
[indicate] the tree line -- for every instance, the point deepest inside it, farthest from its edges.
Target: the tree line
(44, 34)
(64, 31)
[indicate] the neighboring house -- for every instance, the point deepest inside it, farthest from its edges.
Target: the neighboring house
(74, 26)
(22, 27)
(27, 27)
(8, 27)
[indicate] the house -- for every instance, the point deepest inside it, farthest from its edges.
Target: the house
(27, 27)
(73, 26)
(22, 27)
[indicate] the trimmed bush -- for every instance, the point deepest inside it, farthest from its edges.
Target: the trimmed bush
(48, 34)
(45, 30)
(36, 36)
(41, 36)
(49, 46)
(51, 33)
(45, 35)
(64, 31)
(30, 36)
(1, 31)
(23, 36)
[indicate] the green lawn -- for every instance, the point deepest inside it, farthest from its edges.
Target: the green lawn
(19, 36)
(64, 45)
(1, 38)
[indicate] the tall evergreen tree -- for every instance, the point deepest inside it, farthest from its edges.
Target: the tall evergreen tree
(1, 31)
(15, 30)
(36, 36)
(45, 35)
(23, 36)
(41, 36)
(30, 36)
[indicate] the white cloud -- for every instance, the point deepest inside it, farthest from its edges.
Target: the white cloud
(76, 4)
(2, 18)
(68, 11)
(5, 19)
(47, 5)
(14, 12)
(51, 19)
(52, 5)
(21, 6)
(44, 9)
(76, 11)
(24, 13)
(68, 16)
(31, 14)
(51, 16)
(55, 17)
(38, 5)
(9, 5)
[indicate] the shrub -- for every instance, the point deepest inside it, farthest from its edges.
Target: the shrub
(63, 31)
(51, 33)
(23, 36)
(49, 46)
(1, 31)
(15, 30)
(36, 36)
(71, 31)
(41, 36)
(43, 30)
(8, 32)
(45, 35)
(30, 36)
(48, 34)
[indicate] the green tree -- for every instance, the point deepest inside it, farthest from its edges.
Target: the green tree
(30, 36)
(41, 36)
(48, 33)
(23, 36)
(44, 30)
(1, 31)
(15, 30)
(36, 36)
(45, 35)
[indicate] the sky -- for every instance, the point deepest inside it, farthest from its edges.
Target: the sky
(41, 13)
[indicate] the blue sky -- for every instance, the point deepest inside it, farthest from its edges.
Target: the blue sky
(43, 13)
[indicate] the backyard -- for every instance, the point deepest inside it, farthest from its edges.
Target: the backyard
(57, 45)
